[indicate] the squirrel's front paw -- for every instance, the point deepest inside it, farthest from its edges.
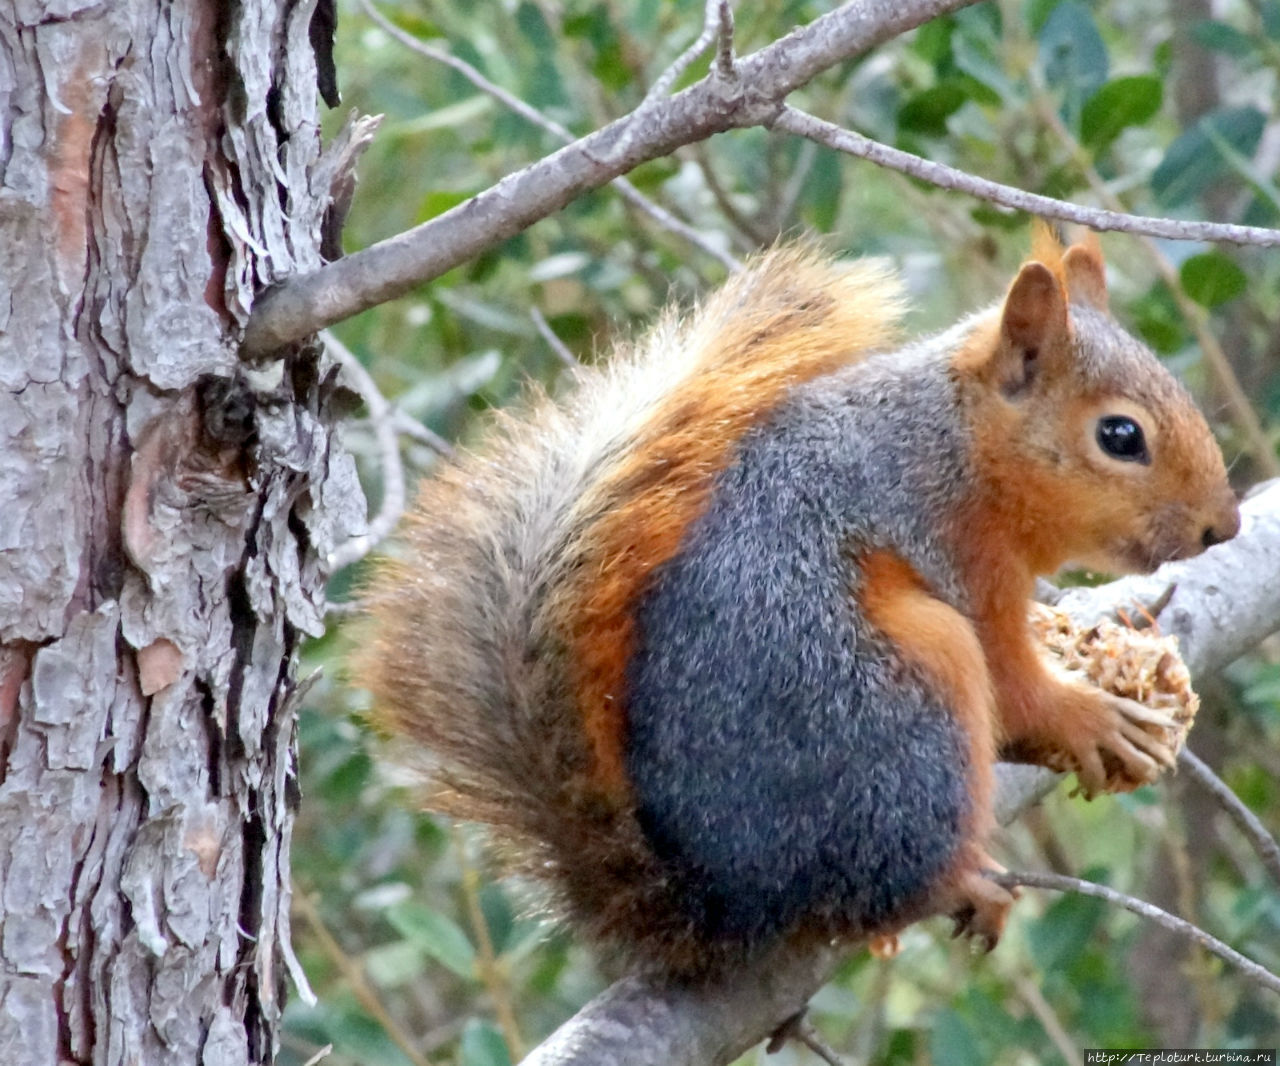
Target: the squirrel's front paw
(1125, 745)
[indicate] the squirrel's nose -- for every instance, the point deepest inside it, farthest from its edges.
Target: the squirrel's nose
(1224, 526)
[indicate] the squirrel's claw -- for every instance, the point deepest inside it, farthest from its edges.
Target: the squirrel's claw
(788, 1030)
(1141, 751)
(1139, 714)
(983, 905)
(1150, 744)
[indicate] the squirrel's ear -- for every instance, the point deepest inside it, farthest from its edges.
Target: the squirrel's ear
(1033, 323)
(1086, 273)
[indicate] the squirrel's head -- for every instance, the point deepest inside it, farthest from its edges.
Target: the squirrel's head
(1095, 451)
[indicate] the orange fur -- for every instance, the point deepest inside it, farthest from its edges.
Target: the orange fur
(1047, 249)
(1086, 273)
(501, 634)
(644, 505)
(941, 643)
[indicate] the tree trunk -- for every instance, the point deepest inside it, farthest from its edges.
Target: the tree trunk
(164, 516)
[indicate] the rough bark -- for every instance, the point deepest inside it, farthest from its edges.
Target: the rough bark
(163, 517)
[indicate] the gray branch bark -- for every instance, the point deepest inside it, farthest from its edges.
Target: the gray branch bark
(1224, 602)
(309, 302)
(162, 523)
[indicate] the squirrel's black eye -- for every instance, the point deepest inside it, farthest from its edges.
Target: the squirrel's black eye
(1121, 438)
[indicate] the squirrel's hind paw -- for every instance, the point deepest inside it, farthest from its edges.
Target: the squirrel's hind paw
(981, 906)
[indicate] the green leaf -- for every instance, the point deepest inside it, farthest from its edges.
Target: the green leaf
(997, 218)
(348, 779)
(822, 192)
(1265, 686)
(393, 965)
(1193, 162)
(927, 112)
(482, 1045)
(1268, 195)
(1224, 38)
(1120, 103)
(1037, 14)
(933, 40)
(1073, 54)
(1064, 931)
(952, 1043)
(464, 113)
(439, 936)
(533, 26)
(1212, 279)
(438, 201)
(1156, 317)
(499, 918)
(978, 51)
(1270, 12)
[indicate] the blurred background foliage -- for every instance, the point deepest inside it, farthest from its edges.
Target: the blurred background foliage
(1155, 106)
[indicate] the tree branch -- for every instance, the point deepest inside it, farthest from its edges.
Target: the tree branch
(626, 190)
(1219, 609)
(1246, 821)
(384, 430)
(803, 124)
(309, 302)
(733, 95)
(1060, 883)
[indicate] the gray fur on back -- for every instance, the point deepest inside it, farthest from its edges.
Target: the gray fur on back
(780, 751)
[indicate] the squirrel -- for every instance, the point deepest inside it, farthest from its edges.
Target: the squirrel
(724, 646)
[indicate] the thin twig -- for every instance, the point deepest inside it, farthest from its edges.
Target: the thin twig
(713, 26)
(793, 187)
(1049, 1021)
(345, 609)
(1260, 445)
(355, 977)
(319, 1056)
(487, 960)
(393, 489)
(553, 342)
(411, 427)
(626, 189)
(803, 124)
(809, 1036)
(746, 226)
(724, 43)
(1246, 821)
(1059, 883)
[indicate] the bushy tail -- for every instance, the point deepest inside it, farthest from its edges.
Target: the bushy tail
(500, 623)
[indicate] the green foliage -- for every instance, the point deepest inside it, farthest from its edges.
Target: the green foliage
(1059, 98)
(1212, 278)
(1117, 105)
(1073, 53)
(1195, 160)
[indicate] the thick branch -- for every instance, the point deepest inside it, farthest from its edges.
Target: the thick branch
(753, 96)
(1224, 603)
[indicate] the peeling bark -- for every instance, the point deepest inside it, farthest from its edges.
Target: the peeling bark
(164, 517)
